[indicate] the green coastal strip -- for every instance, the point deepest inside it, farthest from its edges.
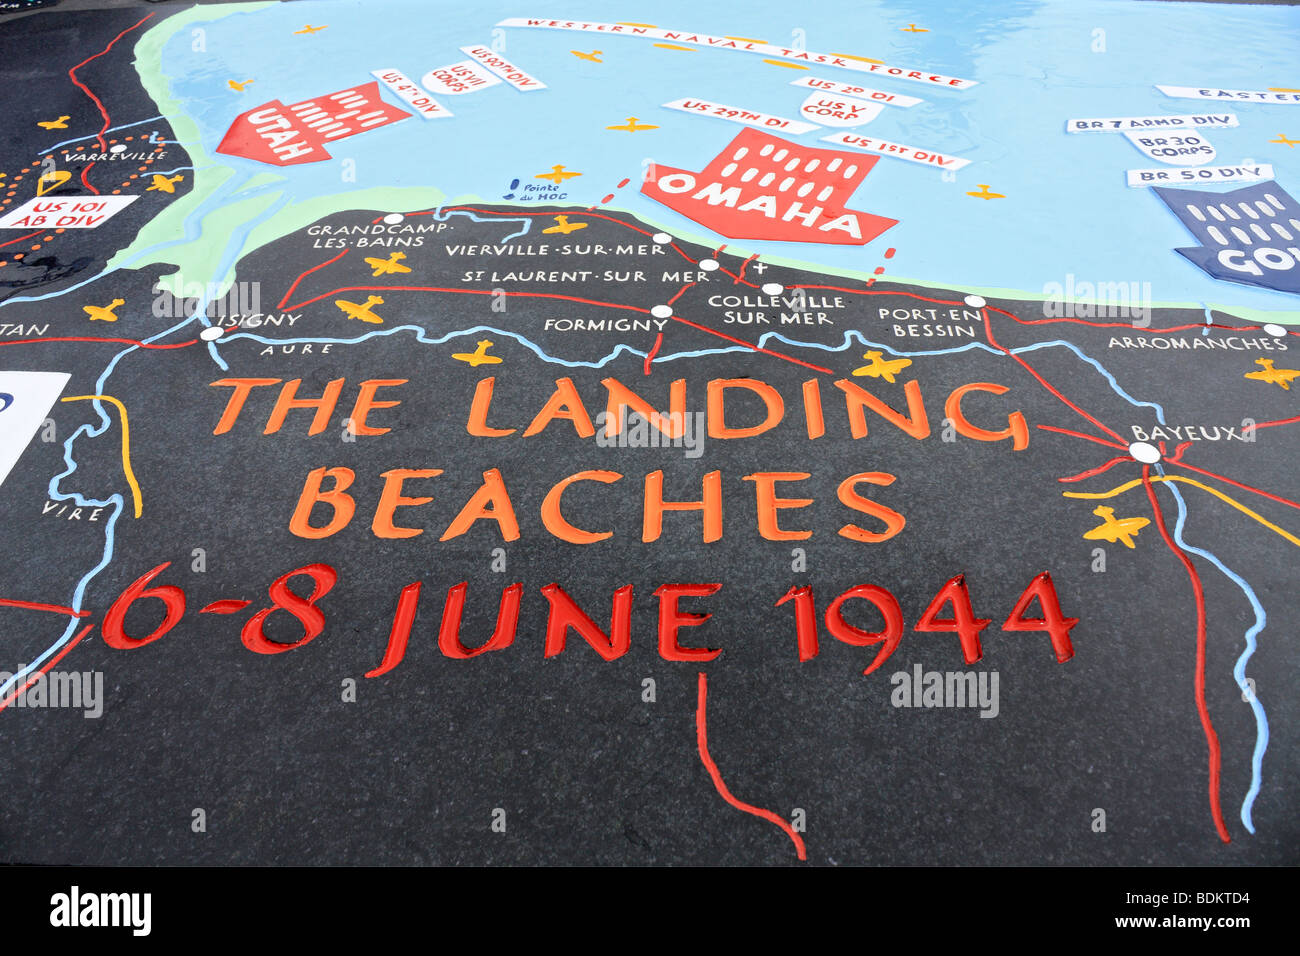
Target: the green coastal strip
(195, 260)
(1282, 316)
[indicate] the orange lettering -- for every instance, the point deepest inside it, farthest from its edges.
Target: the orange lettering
(340, 503)
(390, 499)
(555, 521)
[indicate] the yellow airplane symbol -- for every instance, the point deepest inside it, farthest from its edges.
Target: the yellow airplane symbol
(103, 313)
(593, 56)
(164, 185)
(913, 28)
(361, 310)
(880, 368)
(1112, 530)
(310, 29)
(984, 193)
(479, 356)
(389, 266)
(632, 125)
(563, 226)
(238, 85)
(1281, 138)
(1274, 376)
(60, 123)
(557, 175)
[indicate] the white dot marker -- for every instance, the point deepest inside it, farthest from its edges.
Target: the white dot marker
(662, 238)
(976, 301)
(709, 265)
(773, 288)
(1274, 329)
(662, 311)
(119, 148)
(393, 218)
(1144, 452)
(211, 333)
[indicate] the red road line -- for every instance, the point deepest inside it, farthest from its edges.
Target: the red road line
(910, 295)
(566, 298)
(37, 606)
(1074, 434)
(681, 252)
(988, 331)
(1122, 325)
(740, 276)
(1178, 452)
(1047, 385)
(46, 669)
(1280, 421)
(650, 356)
(702, 741)
(749, 345)
(516, 214)
(1093, 472)
(306, 274)
(680, 293)
(1267, 494)
(1211, 738)
(430, 288)
(79, 338)
(72, 75)
(21, 238)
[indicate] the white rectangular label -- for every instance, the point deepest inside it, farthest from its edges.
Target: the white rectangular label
(25, 399)
(913, 154)
(858, 92)
(504, 69)
(1211, 93)
(65, 212)
(405, 88)
(1199, 174)
(1135, 123)
(845, 62)
(747, 117)
(457, 79)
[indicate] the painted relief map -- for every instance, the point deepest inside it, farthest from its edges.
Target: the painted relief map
(567, 433)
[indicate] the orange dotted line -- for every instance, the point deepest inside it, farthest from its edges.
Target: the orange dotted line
(139, 169)
(9, 196)
(17, 257)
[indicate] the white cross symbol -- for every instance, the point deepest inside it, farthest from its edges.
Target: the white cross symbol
(759, 267)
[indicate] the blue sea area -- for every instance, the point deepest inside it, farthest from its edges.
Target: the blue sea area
(1067, 210)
